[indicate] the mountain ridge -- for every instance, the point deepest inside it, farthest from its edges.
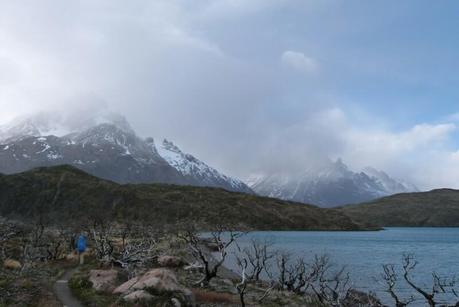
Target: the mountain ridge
(328, 184)
(435, 208)
(63, 194)
(109, 148)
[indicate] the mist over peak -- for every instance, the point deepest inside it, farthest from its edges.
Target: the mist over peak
(328, 185)
(61, 122)
(275, 96)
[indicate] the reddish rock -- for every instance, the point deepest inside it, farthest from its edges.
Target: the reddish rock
(139, 295)
(125, 287)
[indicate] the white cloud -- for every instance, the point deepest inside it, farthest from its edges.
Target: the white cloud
(185, 71)
(423, 154)
(299, 61)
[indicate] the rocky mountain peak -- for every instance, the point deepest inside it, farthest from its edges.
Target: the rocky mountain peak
(168, 145)
(104, 145)
(328, 184)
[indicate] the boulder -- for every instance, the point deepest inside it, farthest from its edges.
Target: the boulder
(12, 264)
(164, 281)
(170, 261)
(126, 287)
(157, 281)
(139, 295)
(103, 280)
(160, 280)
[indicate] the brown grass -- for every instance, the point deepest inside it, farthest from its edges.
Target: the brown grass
(205, 296)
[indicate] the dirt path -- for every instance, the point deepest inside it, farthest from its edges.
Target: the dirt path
(63, 293)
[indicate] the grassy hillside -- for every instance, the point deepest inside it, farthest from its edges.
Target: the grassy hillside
(64, 193)
(437, 208)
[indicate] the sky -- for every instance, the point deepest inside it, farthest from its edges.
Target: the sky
(251, 86)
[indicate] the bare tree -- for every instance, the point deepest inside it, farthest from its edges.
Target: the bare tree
(440, 285)
(318, 279)
(390, 277)
(68, 234)
(298, 278)
(8, 230)
(252, 261)
(138, 243)
(101, 233)
(258, 255)
(331, 287)
(282, 262)
(241, 287)
(221, 239)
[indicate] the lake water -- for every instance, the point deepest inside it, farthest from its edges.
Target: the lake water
(363, 253)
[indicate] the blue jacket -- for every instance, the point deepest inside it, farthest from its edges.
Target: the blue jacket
(81, 244)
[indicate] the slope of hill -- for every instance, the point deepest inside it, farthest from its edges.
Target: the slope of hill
(66, 194)
(437, 208)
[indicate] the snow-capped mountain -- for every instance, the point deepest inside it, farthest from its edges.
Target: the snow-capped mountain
(390, 185)
(195, 169)
(329, 184)
(106, 147)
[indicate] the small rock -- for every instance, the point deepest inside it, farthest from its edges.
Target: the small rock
(175, 302)
(12, 264)
(194, 267)
(170, 261)
(103, 280)
(139, 295)
(73, 256)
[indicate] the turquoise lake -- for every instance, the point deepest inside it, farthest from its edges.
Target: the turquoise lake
(364, 253)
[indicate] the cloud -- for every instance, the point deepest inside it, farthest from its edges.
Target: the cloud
(414, 154)
(207, 76)
(380, 145)
(299, 61)
(423, 154)
(453, 117)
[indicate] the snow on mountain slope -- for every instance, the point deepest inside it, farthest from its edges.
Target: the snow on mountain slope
(106, 146)
(50, 123)
(191, 167)
(391, 186)
(330, 184)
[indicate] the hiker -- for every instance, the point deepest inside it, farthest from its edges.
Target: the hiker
(81, 247)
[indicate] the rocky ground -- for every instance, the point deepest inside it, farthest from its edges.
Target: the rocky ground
(129, 266)
(169, 281)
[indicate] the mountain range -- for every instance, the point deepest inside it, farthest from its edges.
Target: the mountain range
(107, 147)
(329, 184)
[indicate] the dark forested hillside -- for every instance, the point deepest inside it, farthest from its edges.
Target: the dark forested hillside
(437, 208)
(63, 193)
